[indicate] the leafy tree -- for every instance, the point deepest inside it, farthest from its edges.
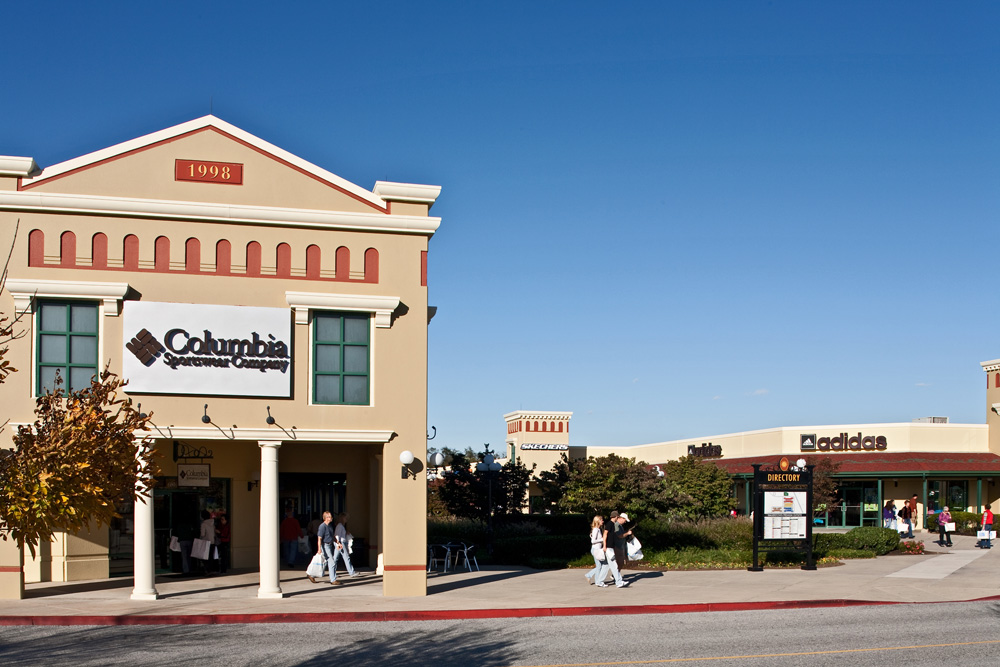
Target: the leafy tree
(826, 493)
(602, 484)
(553, 483)
(707, 485)
(465, 491)
(75, 463)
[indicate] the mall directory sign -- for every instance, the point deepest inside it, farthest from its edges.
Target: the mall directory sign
(782, 516)
(201, 349)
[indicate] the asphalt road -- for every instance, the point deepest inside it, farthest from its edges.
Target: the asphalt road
(911, 635)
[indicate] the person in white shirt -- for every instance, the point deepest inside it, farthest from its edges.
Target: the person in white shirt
(344, 540)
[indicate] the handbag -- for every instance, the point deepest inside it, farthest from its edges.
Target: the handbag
(598, 553)
(315, 568)
(175, 544)
(201, 549)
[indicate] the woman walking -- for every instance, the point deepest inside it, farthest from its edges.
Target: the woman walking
(943, 518)
(596, 549)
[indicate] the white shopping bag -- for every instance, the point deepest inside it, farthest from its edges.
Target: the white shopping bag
(201, 549)
(949, 528)
(634, 549)
(315, 568)
(986, 534)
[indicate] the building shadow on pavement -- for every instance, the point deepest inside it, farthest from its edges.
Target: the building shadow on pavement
(442, 583)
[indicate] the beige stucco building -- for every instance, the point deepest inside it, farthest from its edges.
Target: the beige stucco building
(941, 463)
(270, 315)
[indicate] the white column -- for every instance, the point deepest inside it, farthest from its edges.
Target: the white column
(270, 567)
(143, 554)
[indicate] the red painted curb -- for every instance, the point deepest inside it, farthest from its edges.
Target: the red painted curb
(451, 614)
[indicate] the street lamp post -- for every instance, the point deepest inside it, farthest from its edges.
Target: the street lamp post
(489, 467)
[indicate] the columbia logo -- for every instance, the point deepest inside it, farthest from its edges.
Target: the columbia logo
(145, 347)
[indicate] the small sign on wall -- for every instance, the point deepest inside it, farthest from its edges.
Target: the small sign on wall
(194, 474)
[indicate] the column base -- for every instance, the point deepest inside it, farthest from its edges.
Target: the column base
(144, 596)
(270, 595)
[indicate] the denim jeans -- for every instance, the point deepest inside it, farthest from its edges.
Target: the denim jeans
(290, 551)
(610, 564)
(342, 553)
(328, 551)
(598, 564)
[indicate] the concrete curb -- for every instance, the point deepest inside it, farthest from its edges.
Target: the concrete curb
(451, 614)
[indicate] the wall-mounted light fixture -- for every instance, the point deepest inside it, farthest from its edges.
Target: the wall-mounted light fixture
(254, 481)
(895, 482)
(406, 458)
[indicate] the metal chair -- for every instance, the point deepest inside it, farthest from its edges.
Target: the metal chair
(438, 553)
(468, 554)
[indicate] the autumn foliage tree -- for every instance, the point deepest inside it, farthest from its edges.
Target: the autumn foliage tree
(76, 462)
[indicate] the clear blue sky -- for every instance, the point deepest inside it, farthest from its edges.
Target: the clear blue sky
(672, 218)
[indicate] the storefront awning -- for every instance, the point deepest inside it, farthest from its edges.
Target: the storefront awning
(882, 463)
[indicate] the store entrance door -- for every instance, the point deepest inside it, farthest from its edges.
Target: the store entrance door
(859, 506)
(177, 513)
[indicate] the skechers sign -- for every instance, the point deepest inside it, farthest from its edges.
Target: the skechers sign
(182, 348)
(843, 442)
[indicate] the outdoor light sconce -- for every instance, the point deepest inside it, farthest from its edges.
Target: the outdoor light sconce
(406, 458)
(205, 419)
(254, 481)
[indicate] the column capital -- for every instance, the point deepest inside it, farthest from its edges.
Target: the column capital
(269, 443)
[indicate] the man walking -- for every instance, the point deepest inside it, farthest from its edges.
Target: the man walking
(906, 514)
(290, 531)
(326, 543)
(987, 526)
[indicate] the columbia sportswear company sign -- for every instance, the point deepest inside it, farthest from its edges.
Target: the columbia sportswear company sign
(183, 348)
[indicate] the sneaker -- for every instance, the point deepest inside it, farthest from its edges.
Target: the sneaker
(624, 584)
(311, 578)
(602, 585)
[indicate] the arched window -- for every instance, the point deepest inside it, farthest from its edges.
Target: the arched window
(99, 251)
(224, 257)
(313, 262)
(371, 265)
(130, 252)
(253, 259)
(161, 254)
(67, 249)
(36, 247)
(342, 269)
(283, 261)
(192, 256)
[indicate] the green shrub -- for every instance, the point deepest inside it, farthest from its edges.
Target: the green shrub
(720, 533)
(846, 553)
(872, 538)
(522, 550)
(562, 524)
(441, 530)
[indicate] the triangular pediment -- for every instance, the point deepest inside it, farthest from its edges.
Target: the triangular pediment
(205, 160)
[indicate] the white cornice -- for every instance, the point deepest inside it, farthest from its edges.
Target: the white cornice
(990, 366)
(11, 165)
(24, 290)
(525, 414)
(198, 124)
(263, 434)
(46, 202)
(407, 192)
(382, 306)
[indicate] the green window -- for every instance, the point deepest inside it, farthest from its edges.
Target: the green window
(67, 345)
(340, 358)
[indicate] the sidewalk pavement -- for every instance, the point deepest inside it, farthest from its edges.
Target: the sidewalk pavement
(943, 575)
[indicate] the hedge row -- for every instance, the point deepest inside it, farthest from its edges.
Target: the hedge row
(879, 541)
